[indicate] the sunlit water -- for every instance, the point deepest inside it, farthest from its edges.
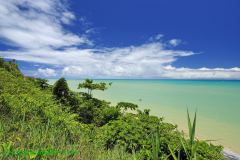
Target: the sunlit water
(217, 104)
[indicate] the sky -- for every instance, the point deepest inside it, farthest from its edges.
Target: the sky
(149, 39)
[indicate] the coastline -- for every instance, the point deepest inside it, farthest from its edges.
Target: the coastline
(230, 155)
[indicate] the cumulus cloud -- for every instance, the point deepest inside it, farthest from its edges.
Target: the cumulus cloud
(146, 60)
(46, 72)
(37, 24)
(37, 29)
(151, 60)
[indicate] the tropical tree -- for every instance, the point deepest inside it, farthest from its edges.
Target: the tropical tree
(90, 86)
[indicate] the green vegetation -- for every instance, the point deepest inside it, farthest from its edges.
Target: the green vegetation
(90, 86)
(60, 89)
(36, 117)
(126, 105)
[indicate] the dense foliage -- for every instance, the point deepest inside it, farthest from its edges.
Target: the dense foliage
(37, 116)
(60, 88)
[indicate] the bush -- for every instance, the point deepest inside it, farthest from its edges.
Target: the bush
(61, 89)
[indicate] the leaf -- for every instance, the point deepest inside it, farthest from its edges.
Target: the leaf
(193, 128)
(32, 155)
(184, 147)
(172, 153)
(194, 151)
(189, 124)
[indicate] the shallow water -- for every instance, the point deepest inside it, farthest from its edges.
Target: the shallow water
(217, 103)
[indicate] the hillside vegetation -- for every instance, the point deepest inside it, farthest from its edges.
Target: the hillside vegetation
(40, 121)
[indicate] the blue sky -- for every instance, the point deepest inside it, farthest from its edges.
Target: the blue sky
(123, 39)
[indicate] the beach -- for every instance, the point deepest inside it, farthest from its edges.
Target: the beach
(217, 103)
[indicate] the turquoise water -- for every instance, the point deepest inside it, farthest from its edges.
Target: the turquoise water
(217, 104)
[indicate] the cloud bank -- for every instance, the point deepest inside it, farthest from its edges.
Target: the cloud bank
(47, 72)
(37, 29)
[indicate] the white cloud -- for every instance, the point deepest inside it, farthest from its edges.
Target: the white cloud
(150, 60)
(46, 72)
(36, 27)
(37, 24)
(175, 42)
(146, 60)
(67, 17)
(201, 73)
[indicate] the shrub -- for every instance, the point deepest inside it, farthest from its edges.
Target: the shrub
(60, 89)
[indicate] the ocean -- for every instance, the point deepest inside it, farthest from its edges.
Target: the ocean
(217, 103)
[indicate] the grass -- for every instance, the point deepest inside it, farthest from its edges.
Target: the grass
(38, 138)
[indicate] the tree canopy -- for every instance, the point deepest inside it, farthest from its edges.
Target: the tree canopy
(61, 89)
(126, 105)
(90, 86)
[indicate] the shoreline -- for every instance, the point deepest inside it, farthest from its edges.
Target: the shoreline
(230, 155)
